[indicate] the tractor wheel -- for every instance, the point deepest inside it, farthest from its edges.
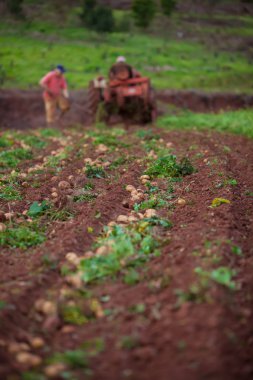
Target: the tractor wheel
(94, 99)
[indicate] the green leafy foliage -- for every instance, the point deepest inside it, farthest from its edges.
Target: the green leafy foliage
(73, 314)
(88, 197)
(34, 141)
(9, 193)
(221, 275)
(5, 142)
(15, 7)
(94, 171)
(37, 209)
(73, 358)
(132, 277)
(10, 158)
(22, 237)
(168, 6)
(128, 248)
(50, 132)
(2, 305)
(97, 17)
(153, 202)
(167, 166)
(143, 12)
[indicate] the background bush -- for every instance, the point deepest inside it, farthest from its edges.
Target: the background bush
(143, 12)
(168, 6)
(97, 17)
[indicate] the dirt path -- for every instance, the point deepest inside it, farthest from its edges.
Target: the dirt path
(158, 319)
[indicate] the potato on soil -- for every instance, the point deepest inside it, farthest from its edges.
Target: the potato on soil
(101, 148)
(54, 195)
(75, 280)
(150, 213)
(54, 370)
(145, 176)
(103, 250)
(28, 360)
(122, 219)
(9, 215)
(130, 188)
(132, 218)
(63, 185)
(37, 342)
(15, 347)
(181, 201)
(45, 307)
(72, 258)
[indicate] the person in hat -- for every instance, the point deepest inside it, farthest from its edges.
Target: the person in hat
(122, 70)
(55, 93)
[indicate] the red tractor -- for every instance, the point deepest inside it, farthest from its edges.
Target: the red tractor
(131, 97)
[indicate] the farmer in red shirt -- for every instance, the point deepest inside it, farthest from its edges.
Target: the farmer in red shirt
(55, 93)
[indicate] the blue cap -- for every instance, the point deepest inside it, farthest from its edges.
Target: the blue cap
(61, 68)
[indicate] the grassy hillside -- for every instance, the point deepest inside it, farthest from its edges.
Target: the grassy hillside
(172, 58)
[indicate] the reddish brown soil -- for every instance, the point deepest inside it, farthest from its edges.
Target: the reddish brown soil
(24, 109)
(207, 339)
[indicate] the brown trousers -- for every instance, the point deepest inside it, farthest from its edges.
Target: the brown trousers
(51, 106)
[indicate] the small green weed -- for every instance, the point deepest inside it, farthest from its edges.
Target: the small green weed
(74, 359)
(9, 193)
(61, 215)
(221, 275)
(2, 305)
(132, 277)
(167, 166)
(73, 314)
(33, 141)
(89, 197)
(11, 158)
(128, 248)
(50, 132)
(37, 209)
(22, 237)
(89, 186)
(128, 342)
(5, 142)
(94, 171)
(153, 202)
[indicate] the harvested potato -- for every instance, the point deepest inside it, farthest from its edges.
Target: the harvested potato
(28, 359)
(181, 201)
(63, 185)
(122, 219)
(150, 213)
(53, 370)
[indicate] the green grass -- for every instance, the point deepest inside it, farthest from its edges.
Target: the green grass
(10, 158)
(238, 122)
(9, 193)
(22, 237)
(29, 51)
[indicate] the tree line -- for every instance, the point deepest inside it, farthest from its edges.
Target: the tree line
(101, 18)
